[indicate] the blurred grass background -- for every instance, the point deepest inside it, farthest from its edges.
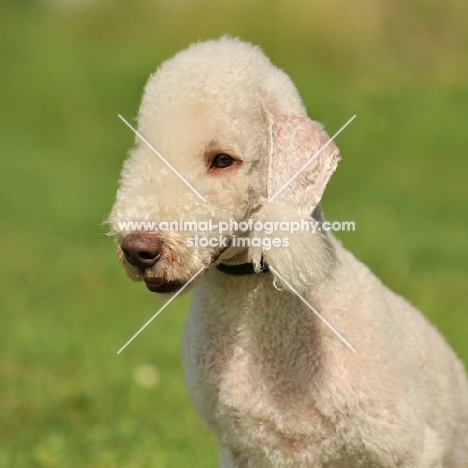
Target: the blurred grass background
(69, 67)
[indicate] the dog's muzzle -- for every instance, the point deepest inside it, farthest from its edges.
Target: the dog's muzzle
(143, 250)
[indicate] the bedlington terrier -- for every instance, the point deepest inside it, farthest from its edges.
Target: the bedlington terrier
(272, 381)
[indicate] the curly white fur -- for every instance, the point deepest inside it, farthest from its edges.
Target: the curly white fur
(276, 386)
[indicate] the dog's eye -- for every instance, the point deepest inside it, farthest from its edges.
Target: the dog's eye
(221, 161)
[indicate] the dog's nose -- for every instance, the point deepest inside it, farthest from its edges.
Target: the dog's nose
(141, 249)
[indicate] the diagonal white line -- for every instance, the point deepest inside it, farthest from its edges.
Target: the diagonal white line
(312, 309)
(312, 158)
(160, 157)
(160, 310)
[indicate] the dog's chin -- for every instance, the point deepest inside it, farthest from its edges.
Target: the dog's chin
(155, 283)
(164, 287)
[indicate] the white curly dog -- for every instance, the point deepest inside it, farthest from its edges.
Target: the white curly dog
(272, 381)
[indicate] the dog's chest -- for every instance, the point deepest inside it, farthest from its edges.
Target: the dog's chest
(252, 370)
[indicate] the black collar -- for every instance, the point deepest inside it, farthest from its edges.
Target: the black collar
(242, 269)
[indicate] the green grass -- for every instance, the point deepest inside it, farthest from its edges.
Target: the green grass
(66, 397)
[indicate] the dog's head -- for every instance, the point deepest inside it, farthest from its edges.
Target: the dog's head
(235, 138)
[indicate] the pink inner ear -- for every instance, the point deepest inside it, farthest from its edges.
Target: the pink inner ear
(295, 141)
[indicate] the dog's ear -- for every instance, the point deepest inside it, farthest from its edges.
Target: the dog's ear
(298, 148)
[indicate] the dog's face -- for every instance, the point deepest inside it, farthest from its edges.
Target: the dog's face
(221, 117)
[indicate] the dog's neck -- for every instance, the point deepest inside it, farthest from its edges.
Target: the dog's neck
(244, 317)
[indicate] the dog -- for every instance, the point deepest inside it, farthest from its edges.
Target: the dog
(263, 365)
